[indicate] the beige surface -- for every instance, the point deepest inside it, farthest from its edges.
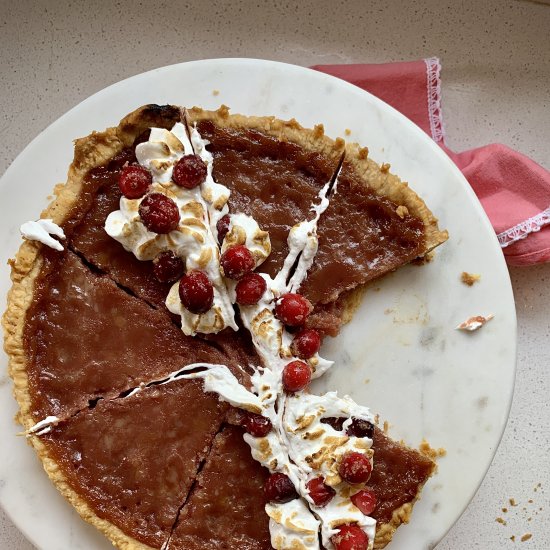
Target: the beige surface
(496, 59)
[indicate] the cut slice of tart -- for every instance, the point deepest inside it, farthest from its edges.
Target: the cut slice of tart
(128, 464)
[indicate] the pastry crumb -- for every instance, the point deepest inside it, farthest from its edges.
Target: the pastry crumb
(367, 380)
(469, 278)
(525, 537)
(501, 521)
(427, 450)
(215, 92)
(347, 131)
(386, 426)
(384, 167)
(530, 501)
(402, 211)
(512, 502)
(474, 323)
(363, 153)
(505, 510)
(513, 538)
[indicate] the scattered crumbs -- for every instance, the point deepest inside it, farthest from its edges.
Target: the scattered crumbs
(501, 521)
(529, 519)
(474, 323)
(215, 92)
(367, 380)
(347, 131)
(430, 452)
(512, 502)
(385, 167)
(469, 278)
(530, 501)
(386, 426)
(525, 537)
(505, 510)
(513, 538)
(524, 509)
(537, 487)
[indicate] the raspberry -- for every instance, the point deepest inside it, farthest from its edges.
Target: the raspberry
(355, 468)
(279, 488)
(319, 491)
(257, 425)
(365, 500)
(134, 181)
(196, 292)
(250, 289)
(293, 310)
(350, 537)
(223, 227)
(306, 343)
(159, 213)
(167, 267)
(296, 376)
(237, 261)
(189, 171)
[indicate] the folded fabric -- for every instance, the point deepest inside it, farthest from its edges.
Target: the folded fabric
(513, 189)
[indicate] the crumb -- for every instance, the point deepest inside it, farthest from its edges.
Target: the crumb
(386, 426)
(11, 262)
(385, 167)
(529, 519)
(430, 452)
(215, 92)
(426, 259)
(363, 153)
(530, 501)
(388, 311)
(474, 323)
(512, 502)
(513, 538)
(347, 131)
(367, 380)
(469, 278)
(525, 537)
(505, 510)
(501, 521)
(402, 211)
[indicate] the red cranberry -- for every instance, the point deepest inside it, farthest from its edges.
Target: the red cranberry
(355, 468)
(365, 500)
(250, 289)
(223, 227)
(167, 267)
(306, 343)
(134, 181)
(293, 310)
(237, 261)
(319, 491)
(189, 171)
(360, 428)
(279, 488)
(350, 537)
(196, 292)
(159, 213)
(257, 425)
(296, 376)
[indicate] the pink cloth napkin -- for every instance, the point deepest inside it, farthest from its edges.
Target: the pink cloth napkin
(513, 189)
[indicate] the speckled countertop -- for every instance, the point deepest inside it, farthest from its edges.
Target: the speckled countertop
(496, 82)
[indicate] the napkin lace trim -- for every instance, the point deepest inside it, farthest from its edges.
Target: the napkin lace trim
(523, 229)
(435, 114)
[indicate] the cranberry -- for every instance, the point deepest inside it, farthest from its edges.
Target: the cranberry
(293, 310)
(360, 428)
(350, 537)
(196, 292)
(159, 213)
(296, 376)
(306, 343)
(319, 491)
(134, 181)
(355, 468)
(257, 425)
(279, 488)
(189, 171)
(365, 500)
(223, 227)
(250, 289)
(167, 267)
(237, 261)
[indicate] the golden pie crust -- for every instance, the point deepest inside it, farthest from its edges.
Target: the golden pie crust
(98, 148)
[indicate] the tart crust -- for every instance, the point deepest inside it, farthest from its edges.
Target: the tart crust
(98, 148)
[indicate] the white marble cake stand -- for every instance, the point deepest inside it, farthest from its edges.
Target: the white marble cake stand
(400, 355)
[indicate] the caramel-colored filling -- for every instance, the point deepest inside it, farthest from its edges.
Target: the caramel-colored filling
(134, 460)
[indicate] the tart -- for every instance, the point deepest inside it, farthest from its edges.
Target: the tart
(142, 450)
